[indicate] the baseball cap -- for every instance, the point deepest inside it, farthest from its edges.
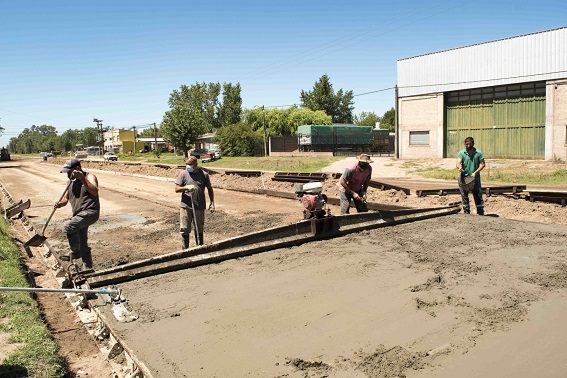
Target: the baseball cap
(70, 164)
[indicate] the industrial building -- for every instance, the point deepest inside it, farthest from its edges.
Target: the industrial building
(509, 94)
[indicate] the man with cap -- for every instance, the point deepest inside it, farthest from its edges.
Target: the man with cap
(85, 205)
(354, 183)
(191, 182)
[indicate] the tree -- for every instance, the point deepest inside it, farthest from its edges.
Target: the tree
(231, 107)
(148, 132)
(182, 125)
(283, 121)
(237, 140)
(366, 119)
(202, 97)
(389, 120)
(322, 97)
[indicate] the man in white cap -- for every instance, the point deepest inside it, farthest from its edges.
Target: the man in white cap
(85, 204)
(354, 183)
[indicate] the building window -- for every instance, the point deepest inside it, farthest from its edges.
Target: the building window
(419, 138)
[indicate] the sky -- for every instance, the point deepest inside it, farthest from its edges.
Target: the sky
(63, 63)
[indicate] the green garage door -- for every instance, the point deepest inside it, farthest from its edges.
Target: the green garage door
(507, 121)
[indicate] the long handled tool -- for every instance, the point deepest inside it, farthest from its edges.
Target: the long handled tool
(197, 238)
(39, 239)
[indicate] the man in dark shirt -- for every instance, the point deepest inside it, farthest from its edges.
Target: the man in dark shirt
(191, 183)
(85, 204)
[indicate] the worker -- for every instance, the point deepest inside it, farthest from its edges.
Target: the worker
(85, 206)
(191, 182)
(470, 161)
(354, 183)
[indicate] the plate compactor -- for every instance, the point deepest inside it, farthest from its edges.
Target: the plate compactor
(313, 201)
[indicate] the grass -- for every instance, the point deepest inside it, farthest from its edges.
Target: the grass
(270, 163)
(21, 319)
(516, 176)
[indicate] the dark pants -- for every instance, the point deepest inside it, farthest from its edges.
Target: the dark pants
(477, 196)
(77, 229)
(361, 206)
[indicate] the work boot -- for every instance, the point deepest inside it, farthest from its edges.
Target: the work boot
(69, 257)
(185, 241)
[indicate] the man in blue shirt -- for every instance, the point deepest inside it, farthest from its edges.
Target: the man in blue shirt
(470, 161)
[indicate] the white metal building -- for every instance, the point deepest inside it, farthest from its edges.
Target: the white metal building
(509, 94)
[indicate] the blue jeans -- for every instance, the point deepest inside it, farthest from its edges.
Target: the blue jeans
(77, 229)
(477, 197)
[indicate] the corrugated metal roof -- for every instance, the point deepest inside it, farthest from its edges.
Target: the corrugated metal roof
(530, 57)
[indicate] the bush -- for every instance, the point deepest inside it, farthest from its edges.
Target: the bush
(237, 140)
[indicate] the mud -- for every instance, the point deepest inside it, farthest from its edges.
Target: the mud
(373, 304)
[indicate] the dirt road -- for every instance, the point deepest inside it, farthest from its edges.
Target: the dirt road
(460, 296)
(139, 216)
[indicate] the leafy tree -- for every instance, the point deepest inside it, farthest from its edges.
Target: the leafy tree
(148, 132)
(89, 136)
(389, 120)
(322, 97)
(366, 119)
(182, 125)
(69, 139)
(231, 107)
(202, 97)
(237, 140)
(283, 121)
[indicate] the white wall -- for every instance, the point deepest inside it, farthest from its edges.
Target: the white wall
(421, 113)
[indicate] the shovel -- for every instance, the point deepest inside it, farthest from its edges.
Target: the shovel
(39, 239)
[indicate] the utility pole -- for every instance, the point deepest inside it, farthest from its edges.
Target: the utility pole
(135, 147)
(264, 125)
(396, 124)
(155, 138)
(100, 134)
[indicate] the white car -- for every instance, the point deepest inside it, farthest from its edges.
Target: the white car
(110, 156)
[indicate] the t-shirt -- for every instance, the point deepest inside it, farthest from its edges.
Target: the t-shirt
(470, 163)
(355, 178)
(201, 180)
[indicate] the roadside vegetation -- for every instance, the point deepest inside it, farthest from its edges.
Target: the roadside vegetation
(505, 175)
(21, 324)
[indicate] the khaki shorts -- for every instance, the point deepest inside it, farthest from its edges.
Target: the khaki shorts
(186, 220)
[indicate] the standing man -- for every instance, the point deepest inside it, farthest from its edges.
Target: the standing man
(85, 205)
(354, 183)
(470, 161)
(191, 183)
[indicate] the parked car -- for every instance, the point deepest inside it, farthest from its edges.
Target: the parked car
(217, 152)
(81, 154)
(197, 152)
(110, 156)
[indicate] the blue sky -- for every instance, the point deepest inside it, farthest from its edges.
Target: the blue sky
(65, 62)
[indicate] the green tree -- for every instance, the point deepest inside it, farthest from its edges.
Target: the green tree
(231, 107)
(148, 132)
(366, 119)
(202, 97)
(283, 121)
(238, 140)
(182, 125)
(389, 120)
(322, 97)
(89, 136)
